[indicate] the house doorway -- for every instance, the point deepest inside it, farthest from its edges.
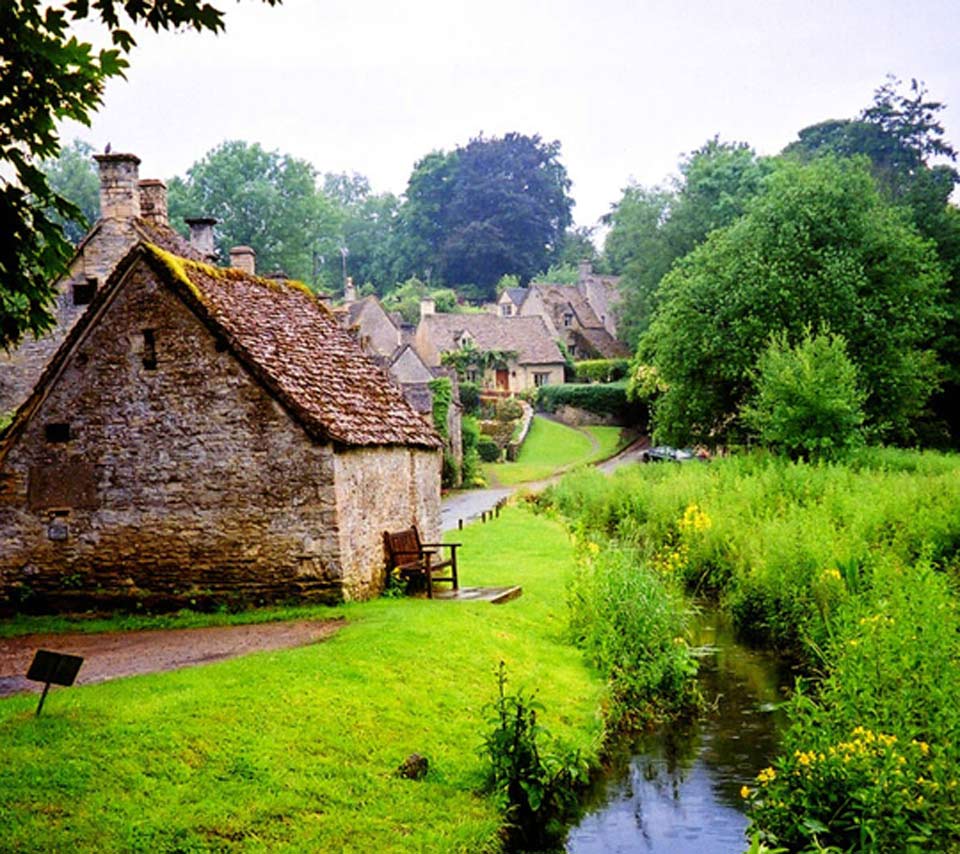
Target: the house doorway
(503, 379)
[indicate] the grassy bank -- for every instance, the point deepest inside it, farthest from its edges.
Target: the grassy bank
(296, 750)
(851, 568)
(550, 447)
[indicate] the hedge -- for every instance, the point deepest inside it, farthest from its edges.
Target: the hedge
(601, 370)
(598, 398)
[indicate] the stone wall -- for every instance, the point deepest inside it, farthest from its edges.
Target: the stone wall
(161, 486)
(382, 489)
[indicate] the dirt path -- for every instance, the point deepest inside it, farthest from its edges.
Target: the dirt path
(110, 655)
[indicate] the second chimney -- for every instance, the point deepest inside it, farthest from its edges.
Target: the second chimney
(153, 201)
(201, 235)
(349, 290)
(244, 258)
(119, 193)
(427, 307)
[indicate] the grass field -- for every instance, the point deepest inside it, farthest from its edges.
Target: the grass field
(551, 447)
(296, 750)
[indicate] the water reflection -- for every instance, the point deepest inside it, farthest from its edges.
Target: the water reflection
(679, 790)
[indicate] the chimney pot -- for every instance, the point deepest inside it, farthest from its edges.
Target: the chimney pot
(153, 201)
(349, 290)
(119, 193)
(244, 258)
(427, 306)
(585, 269)
(201, 235)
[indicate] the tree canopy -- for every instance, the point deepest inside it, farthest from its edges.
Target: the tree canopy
(48, 75)
(73, 176)
(817, 248)
(493, 207)
(268, 201)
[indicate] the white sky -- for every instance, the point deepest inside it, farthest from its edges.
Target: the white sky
(627, 86)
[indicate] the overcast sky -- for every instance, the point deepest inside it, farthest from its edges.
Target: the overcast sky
(627, 86)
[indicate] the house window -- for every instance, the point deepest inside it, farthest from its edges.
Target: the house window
(506, 309)
(84, 292)
(471, 376)
(568, 319)
(149, 350)
(57, 433)
(541, 379)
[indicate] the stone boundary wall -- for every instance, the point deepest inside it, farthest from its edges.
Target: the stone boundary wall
(576, 417)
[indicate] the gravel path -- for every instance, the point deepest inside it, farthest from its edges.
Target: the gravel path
(110, 655)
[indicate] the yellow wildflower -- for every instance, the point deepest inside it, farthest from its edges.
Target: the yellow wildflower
(744, 791)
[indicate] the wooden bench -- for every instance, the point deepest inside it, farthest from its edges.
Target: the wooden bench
(410, 557)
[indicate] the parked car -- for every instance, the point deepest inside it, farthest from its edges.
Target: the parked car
(664, 453)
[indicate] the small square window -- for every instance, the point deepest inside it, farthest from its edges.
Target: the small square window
(84, 292)
(57, 433)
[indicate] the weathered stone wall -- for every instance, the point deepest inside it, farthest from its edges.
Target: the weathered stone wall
(20, 370)
(382, 489)
(181, 483)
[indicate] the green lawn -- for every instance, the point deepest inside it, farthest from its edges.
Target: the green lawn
(295, 750)
(550, 447)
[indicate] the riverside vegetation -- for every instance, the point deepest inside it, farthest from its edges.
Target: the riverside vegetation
(848, 569)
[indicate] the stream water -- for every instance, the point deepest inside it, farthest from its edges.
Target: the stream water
(678, 790)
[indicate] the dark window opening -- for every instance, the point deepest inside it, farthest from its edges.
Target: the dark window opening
(84, 292)
(149, 350)
(221, 345)
(57, 432)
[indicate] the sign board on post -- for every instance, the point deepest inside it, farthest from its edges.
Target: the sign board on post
(53, 668)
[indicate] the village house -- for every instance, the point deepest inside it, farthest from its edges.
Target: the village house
(533, 358)
(582, 315)
(387, 342)
(207, 435)
(130, 210)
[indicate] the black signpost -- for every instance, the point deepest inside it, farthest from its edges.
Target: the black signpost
(53, 668)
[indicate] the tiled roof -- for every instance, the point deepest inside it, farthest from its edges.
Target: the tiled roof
(517, 295)
(299, 350)
(167, 239)
(603, 344)
(527, 336)
(562, 298)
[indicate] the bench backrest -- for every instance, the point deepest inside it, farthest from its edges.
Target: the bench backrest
(404, 545)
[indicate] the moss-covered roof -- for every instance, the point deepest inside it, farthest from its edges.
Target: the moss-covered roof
(297, 348)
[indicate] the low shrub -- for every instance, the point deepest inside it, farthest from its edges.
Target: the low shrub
(470, 438)
(601, 370)
(470, 398)
(508, 409)
(607, 399)
(488, 449)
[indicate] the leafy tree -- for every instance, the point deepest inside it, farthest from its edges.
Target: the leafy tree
(266, 200)
(653, 227)
(405, 298)
(818, 247)
(49, 74)
(493, 207)
(807, 401)
(73, 176)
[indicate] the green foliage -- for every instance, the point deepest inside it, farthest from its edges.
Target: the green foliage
(508, 409)
(871, 763)
(631, 621)
(496, 206)
(534, 788)
(653, 227)
(268, 201)
(817, 248)
(601, 370)
(507, 281)
(441, 389)
(599, 398)
(559, 274)
(470, 437)
(488, 449)
(470, 397)
(51, 75)
(470, 357)
(807, 401)
(73, 176)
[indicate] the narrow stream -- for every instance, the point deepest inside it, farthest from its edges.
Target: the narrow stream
(678, 790)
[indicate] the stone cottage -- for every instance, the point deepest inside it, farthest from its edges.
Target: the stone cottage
(536, 359)
(131, 210)
(204, 434)
(582, 315)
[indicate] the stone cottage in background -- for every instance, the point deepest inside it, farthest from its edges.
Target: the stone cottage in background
(206, 435)
(130, 211)
(582, 315)
(535, 358)
(387, 341)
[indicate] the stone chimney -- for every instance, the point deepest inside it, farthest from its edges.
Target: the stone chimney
(427, 306)
(349, 290)
(201, 235)
(244, 258)
(585, 269)
(119, 193)
(153, 201)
